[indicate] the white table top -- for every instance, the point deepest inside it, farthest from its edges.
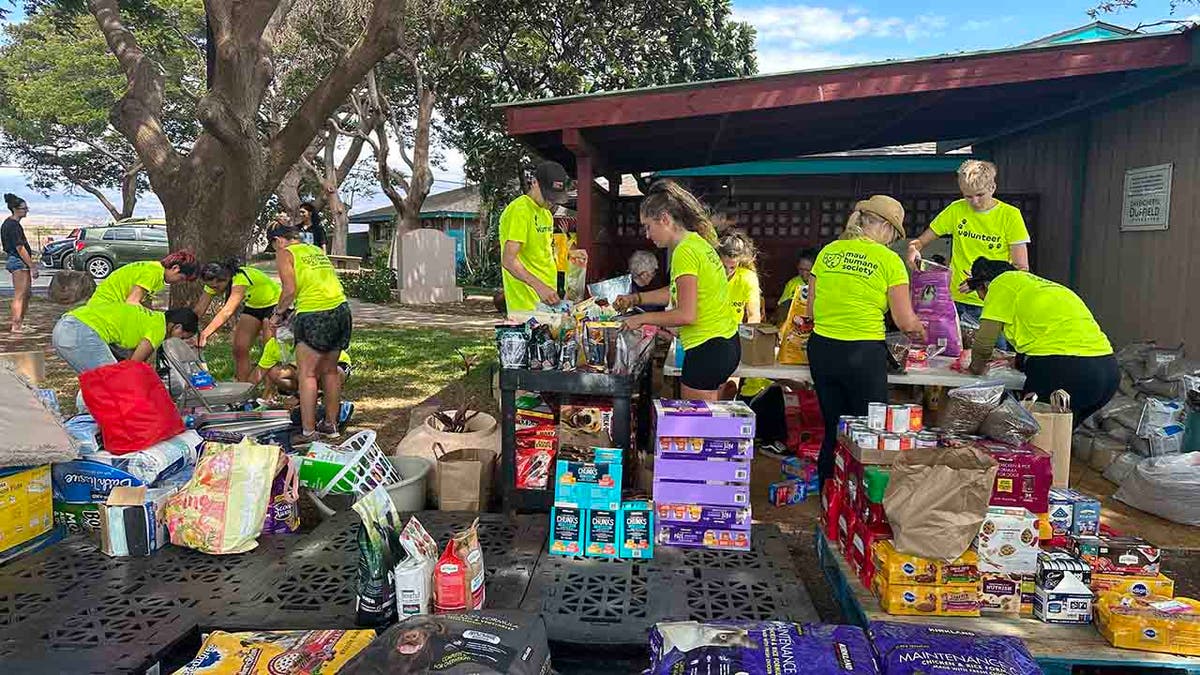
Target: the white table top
(938, 374)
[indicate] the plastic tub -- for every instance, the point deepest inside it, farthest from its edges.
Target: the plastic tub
(409, 494)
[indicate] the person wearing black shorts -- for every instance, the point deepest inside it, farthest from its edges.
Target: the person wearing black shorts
(698, 293)
(247, 288)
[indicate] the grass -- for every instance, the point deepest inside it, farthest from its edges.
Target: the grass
(396, 369)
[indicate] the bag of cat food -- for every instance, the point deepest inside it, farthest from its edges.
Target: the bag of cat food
(931, 300)
(379, 552)
(693, 648)
(451, 589)
(479, 643)
(283, 510)
(466, 546)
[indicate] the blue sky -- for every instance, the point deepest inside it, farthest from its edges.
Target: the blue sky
(794, 37)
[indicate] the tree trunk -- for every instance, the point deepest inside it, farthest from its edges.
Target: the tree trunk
(288, 191)
(340, 217)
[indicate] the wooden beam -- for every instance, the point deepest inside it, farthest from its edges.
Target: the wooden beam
(780, 91)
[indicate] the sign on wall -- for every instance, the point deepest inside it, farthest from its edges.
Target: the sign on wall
(1147, 204)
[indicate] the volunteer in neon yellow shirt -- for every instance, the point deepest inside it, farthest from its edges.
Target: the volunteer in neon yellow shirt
(132, 283)
(322, 325)
(245, 288)
(698, 293)
(526, 234)
(980, 226)
(84, 337)
(1059, 343)
(856, 280)
(277, 365)
(739, 258)
(804, 265)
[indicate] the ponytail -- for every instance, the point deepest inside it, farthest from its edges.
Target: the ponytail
(854, 228)
(666, 196)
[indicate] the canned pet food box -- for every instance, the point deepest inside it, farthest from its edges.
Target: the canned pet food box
(566, 531)
(1137, 586)
(1062, 598)
(700, 492)
(588, 485)
(729, 471)
(691, 536)
(1000, 594)
(719, 517)
(636, 530)
(1130, 556)
(1056, 562)
(919, 600)
(703, 419)
(603, 533)
(704, 448)
(902, 568)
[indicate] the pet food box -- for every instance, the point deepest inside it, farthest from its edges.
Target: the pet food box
(1024, 476)
(1137, 586)
(903, 569)
(26, 505)
(1152, 624)
(1056, 562)
(1131, 556)
(714, 493)
(685, 448)
(919, 600)
(1008, 541)
(862, 548)
(719, 517)
(1062, 598)
(1073, 513)
(693, 536)
(566, 531)
(720, 470)
(787, 492)
(130, 522)
(1000, 594)
(602, 536)
(637, 530)
(590, 485)
(703, 419)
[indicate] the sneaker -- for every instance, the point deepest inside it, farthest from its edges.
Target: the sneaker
(327, 430)
(300, 438)
(24, 329)
(777, 450)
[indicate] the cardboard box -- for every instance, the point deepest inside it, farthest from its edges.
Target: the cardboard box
(585, 422)
(799, 468)
(131, 522)
(1086, 520)
(1140, 587)
(1063, 599)
(703, 419)
(77, 518)
(862, 549)
(704, 448)
(758, 343)
(1023, 479)
(566, 531)
(1130, 556)
(1008, 541)
(1062, 512)
(904, 569)
(1000, 594)
(873, 514)
(701, 492)
(918, 600)
(1056, 562)
(720, 517)
(692, 536)
(637, 530)
(590, 485)
(1153, 624)
(721, 470)
(603, 535)
(1028, 592)
(787, 492)
(846, 524)
(26, 505)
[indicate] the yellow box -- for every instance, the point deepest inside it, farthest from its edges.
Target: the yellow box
(1130, 622)
(26, 505)
(1139, 586)
(919, 600)
(901, 568)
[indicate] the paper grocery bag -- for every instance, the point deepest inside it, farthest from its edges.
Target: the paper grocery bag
(464, 478)
(1055, 437)
(937, 498)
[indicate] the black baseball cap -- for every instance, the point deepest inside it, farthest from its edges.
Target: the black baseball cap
(553, 181)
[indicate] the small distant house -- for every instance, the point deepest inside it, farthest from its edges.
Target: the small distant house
(455, 212)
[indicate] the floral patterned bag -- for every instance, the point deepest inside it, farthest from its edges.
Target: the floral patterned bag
(222, 508)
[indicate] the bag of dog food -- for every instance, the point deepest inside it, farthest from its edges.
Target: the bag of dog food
(273, 652)
(414, 577)
(466, 546)
(796, 329)
(907, 649)
(379, 552)
(451, 589)
(967, 407)
(1010, 423)
(693, 648)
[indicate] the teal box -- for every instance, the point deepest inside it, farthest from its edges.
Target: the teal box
(603, 533)
(566, 531)
(637, 530)
(590, 485)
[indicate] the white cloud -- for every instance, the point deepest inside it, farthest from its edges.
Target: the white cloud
(1195, 18)
(785, 60)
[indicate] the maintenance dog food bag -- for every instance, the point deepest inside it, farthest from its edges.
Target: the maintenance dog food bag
(907, 649)
(758, 648)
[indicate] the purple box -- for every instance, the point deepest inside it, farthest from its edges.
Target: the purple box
(703, 419)
(721, 517)
(668, 447)
(696, 536)
(699, 492)
(729, 471)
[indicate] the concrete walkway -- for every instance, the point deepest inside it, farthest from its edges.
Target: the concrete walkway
(472, 315)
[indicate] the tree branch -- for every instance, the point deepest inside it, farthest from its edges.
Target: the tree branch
(95, 192)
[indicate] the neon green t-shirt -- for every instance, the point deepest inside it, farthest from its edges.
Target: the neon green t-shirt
(854, 276)
(990, 235)
(261, 290)
(1042, 318)
(789, 289)
(696, 257)
(123, 324)
(115, 289)
(274, 353)
(533, 226)
(318, 288)
(743, 290)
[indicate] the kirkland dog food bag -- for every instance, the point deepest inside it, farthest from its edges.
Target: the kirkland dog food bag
(758, 648)
(906, 649)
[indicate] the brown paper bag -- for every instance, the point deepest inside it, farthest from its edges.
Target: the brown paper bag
(464, 478)
(1055, 436)
(937, 498)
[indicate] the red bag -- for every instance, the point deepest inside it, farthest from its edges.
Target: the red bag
(131, 406)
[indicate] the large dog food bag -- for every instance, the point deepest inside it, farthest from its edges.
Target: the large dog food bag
(758, 648)
(906, 649)
(479, 643)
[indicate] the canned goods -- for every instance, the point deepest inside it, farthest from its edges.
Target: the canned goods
(906, 441)
(897, 418)
(865, 438)
(889, 441)
(844, 423)
(916, 417)
(877, 416)
(925, 440)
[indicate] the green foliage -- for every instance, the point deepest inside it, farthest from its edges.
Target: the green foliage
(373, 284)
(482, 269)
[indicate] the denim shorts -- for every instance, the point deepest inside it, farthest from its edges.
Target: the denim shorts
(80, 346)
(15, 264)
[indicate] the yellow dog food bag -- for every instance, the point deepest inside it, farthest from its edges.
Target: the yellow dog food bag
(314, 652)
(796, 329)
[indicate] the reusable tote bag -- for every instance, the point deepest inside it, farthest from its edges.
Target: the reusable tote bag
(1055, 437)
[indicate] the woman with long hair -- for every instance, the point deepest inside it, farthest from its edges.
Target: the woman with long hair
(20, 260)
(855, 281)
(698, 294)
(133, 282)
(311, 231)
(739, 256)
(245, 288)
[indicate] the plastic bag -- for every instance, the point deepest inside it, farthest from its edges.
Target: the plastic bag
(1167, 441)
(1156, 415)
(512, 344)
(633, 349)
(131, 405)
(379, 552)
(598, 345)
(543, 350)
(1122, 466)
(1010, 423)
(934, 306)
(968, 326)
(610, 289)
(1081, 445)
(222, 508)
(1168, 487)
(898, 345)
(575, 281)
(968, 407)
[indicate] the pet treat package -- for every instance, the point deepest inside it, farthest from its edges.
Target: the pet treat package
(414, 577)
(758, 648)
(512, 344)
(480, 643)
(466, 546)
(908, 649)
(379, 552)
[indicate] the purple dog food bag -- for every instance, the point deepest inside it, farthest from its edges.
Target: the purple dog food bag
(931, 300)
(753, 648)
(904, 649)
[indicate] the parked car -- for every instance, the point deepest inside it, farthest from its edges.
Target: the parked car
(55, 253)
(100, 250)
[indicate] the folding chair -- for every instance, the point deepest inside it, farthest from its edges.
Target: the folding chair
(181, 359)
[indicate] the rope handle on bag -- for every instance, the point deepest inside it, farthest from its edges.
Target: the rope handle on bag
(1060, 401)
(438, 451)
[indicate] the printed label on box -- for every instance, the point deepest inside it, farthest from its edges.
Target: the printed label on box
(690, 536)
(566, 531)
(637, 530)
(601, 534)
(720, 517)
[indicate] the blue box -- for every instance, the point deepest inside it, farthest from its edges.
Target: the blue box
(637, 530)
(603, 533)
(566, 531)
(1087, 517)
(590, 485)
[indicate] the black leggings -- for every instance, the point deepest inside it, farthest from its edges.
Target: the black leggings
(847, 376)
(1090, 380)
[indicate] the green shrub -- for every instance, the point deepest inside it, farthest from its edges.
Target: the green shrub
(371, 284)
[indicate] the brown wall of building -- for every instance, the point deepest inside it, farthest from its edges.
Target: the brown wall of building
(1135, 282)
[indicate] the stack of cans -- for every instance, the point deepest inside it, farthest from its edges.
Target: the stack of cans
(889, 427)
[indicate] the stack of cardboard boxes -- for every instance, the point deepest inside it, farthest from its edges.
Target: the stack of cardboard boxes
(589, 517)
(702, 473)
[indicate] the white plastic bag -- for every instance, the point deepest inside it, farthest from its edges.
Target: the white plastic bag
(1121, 467)
(1168, 487)
(1157, 415)
(1167, 441)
